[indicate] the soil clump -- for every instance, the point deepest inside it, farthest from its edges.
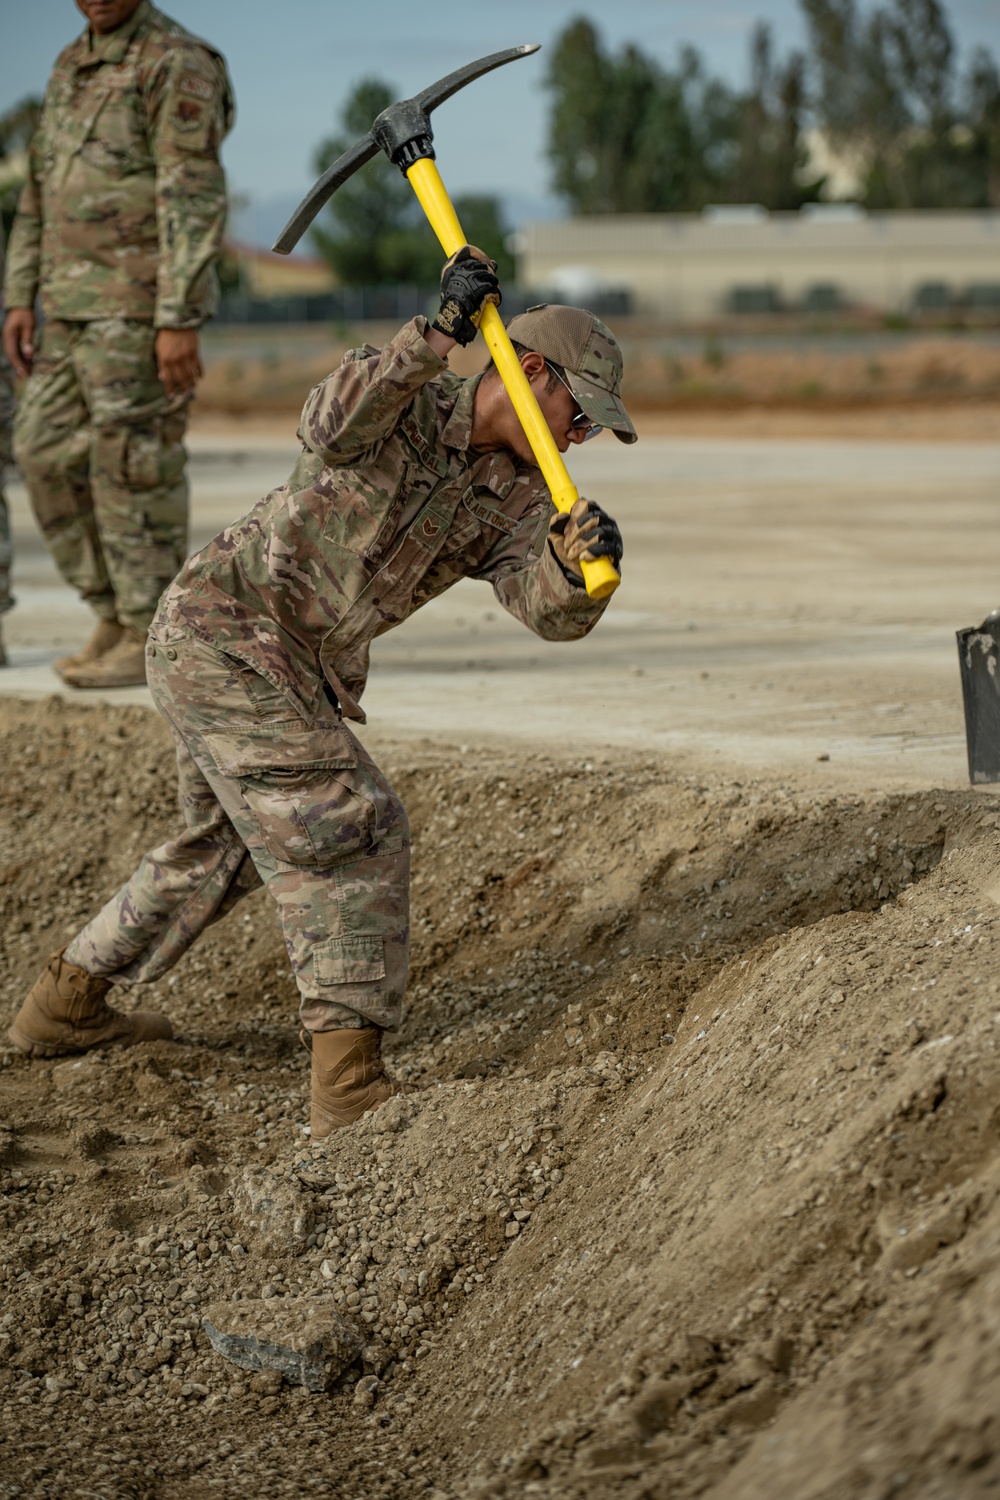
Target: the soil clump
(699, 1195)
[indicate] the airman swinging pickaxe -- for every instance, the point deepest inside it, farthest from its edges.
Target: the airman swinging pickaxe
(403, 132)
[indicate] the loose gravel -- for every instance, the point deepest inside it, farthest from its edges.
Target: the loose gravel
(701, 1168)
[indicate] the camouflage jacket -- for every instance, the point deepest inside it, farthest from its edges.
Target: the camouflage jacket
(387, 507)
(124, 207)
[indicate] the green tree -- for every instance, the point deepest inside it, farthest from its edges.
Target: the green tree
(983, 97)
(374, 231)
(621, 134)
(17, 126)
(855, 98)
(887, 90)
(629, 136)
(771, 160)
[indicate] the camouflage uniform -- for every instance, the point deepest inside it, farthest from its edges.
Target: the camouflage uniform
(6, 423)
(260, 650)
(118, 228)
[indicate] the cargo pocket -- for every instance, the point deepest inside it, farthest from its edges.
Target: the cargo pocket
(142, 458)
(152, 457)
(312, 801)
(349, 960)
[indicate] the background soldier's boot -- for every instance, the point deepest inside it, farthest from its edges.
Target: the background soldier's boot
(66, 1012)
(123, 666)
(348, 1077)
(107, 634)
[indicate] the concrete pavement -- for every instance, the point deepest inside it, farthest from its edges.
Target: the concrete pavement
(782, 601)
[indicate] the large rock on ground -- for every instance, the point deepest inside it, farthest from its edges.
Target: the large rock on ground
(273, 1211)
(304, 1338)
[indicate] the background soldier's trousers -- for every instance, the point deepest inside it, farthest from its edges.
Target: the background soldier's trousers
(267, 796)
(99, 444)
(6, 424)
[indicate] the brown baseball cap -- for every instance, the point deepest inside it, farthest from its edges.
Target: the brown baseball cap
(589, 353)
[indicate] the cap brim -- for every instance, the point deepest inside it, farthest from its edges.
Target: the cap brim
(602, 407)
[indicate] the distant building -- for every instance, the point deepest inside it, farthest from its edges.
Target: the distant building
(264, 274)
(742, 259)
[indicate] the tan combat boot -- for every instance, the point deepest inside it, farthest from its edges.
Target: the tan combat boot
(66, 1012)
(107, 634)
(123, 666)
(348, 1077)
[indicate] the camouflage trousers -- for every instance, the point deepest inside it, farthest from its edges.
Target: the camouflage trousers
(267, 797)
(6, 424)
(99, 444)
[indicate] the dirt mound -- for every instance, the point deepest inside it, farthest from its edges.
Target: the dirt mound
(726, 371)
(699, 1197)
(939, 368)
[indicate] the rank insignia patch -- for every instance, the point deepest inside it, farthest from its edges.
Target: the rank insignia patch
(194, 86)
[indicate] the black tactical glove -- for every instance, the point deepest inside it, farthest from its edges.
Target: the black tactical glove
(468, 281)
(588, 532)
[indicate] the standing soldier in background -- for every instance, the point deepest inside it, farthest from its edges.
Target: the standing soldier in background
(6, 423)
(118, 230)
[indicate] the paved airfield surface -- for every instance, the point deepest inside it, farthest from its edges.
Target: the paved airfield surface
(784, 600)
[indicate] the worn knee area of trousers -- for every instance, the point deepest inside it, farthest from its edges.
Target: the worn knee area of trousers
(54, 460)
(325, 829)
(51, 428)
(175, 892)
(347, 931)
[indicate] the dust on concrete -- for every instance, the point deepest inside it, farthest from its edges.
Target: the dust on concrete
(699, 1195)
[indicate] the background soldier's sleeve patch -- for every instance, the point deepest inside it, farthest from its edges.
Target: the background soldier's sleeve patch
(195, 86)
(188, 117)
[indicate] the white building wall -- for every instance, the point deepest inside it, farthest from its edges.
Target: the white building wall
(684, 266)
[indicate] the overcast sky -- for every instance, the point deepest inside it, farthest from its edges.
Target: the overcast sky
(293, 64)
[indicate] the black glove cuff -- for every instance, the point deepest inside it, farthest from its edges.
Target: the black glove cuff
(453, 322)
(466, 284)
(572, 578)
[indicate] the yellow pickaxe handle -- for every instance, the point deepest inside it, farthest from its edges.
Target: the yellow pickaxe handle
(600, 576)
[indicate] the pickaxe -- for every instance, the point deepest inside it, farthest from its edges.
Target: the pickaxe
(403, 132)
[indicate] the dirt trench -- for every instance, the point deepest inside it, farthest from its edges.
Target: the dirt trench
(699, 1195)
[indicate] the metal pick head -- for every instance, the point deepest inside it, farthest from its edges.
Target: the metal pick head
(391, 132)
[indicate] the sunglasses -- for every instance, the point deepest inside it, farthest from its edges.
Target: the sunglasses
(581, 420)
